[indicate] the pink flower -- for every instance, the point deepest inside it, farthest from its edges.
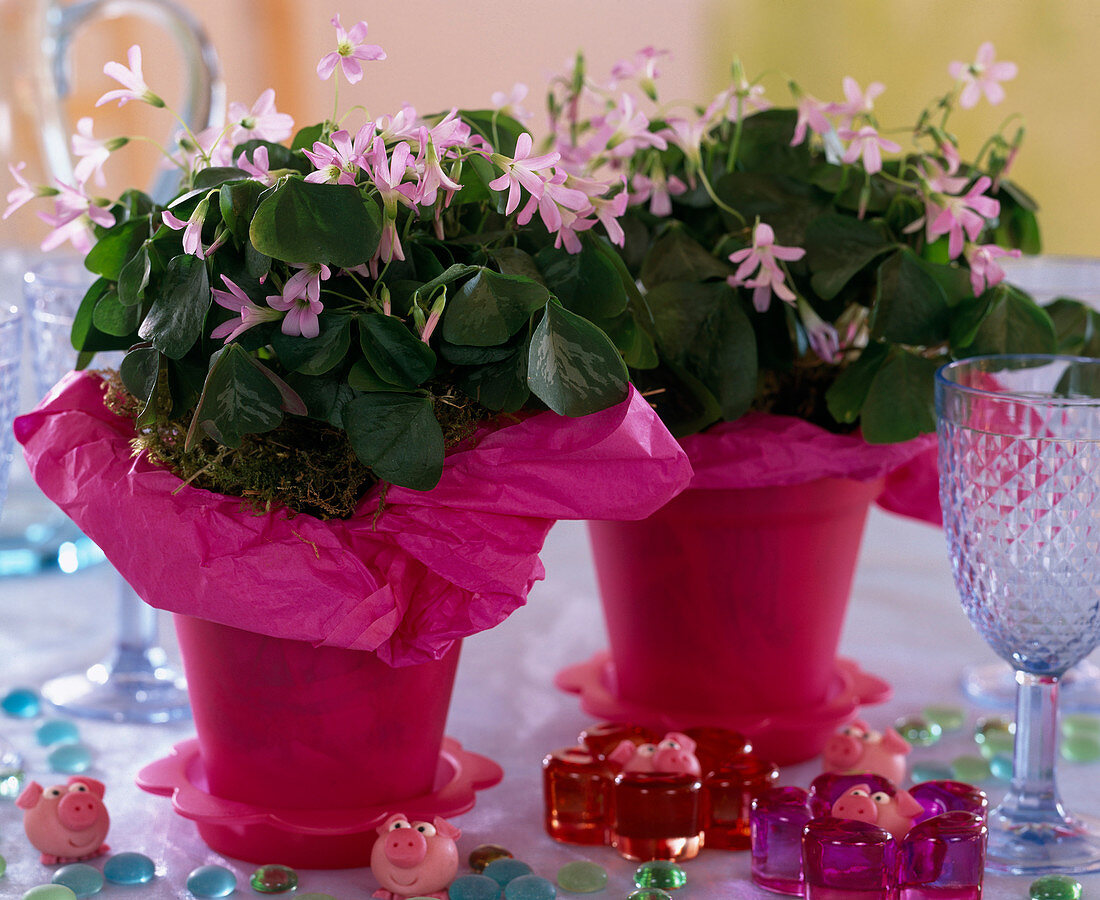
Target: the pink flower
(23, 193)
(811, 114)
(131, 79)
(823, 337)
(300, 300)
(93, 153)
(521, 169)
(388, 175)
(961, 215)
(624, 130)
(259, 168)
(688, 135)
(404, 125)
(338, 163)
(510, 104)
(261, 122)
(983, 76)
(643, 67)
(984, 270)
(658, 190)
(192, 228)
(554, 197)
(432, 176)
(450, 131)
(857, 102)
(350, 48)
(238, 301)
(608, 210)
(869, 144)
(71, 219)
(433, 316)
(763, 257)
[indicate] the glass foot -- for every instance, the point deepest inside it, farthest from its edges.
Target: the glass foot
(132, 686)
(1066, 846)
(994, 685)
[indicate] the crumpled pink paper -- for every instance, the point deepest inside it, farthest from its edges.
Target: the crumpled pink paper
(762, 450)
(434, 567)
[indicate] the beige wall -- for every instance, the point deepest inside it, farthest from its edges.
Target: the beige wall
(444, 52)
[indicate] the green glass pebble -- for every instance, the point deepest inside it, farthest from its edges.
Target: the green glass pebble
(930, 771)
(582, 877)
(649, 893)
(918, 730)
(474, 887)
(530, 887)
(660, 873)
(995, 736)
(129, 868)
(949, 718)
(970, 769)
(505, 869)
(1083, 748)
(1001, 767)
(1081, 723)
(56, 731)
(80, 878)
(483, 854)
(70, 759)
(49, 892)
(274, 879)
(1055, 887)
(22, 703)
(211, 881)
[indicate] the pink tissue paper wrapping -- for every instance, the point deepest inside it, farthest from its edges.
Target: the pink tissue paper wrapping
(434, 567)
(761, 450)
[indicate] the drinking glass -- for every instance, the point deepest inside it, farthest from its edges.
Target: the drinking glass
(1019, 455)
(135, 683)
(11, 361)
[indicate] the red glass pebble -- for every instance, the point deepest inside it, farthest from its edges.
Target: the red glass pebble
(730, 789)
(657, 816)
(601, 739)
(717, 746)
(577, 796)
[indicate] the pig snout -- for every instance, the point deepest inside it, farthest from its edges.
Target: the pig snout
(78, 810)
(676, 761)
(843, 751)
(856, 806)
(406, 847)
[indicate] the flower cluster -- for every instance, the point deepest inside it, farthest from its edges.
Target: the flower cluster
(369, 274)
(881, 244)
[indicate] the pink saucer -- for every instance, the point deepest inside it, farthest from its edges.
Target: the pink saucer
(307, 838)
(784, 737)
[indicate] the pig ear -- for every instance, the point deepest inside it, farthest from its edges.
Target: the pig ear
(623, 753)
(683, 740)
(385, 826)
(907, 804)
(96, 787)
(445, 828)
(894, 742)
(29, 798)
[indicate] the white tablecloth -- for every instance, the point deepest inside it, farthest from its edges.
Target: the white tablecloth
(904, 624)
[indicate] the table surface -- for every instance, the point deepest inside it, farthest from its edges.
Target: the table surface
(904, 623)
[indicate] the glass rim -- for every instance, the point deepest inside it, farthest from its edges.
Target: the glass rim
(1027, 361)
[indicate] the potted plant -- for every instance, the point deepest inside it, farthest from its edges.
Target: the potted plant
(797, 274)
(348, 414)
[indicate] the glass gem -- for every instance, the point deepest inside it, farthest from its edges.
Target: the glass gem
(649, 893)
(83, 880)
(995, 735)
(530, 887)
(1081, 723)
(3, 865)
(582, 877)
(1081, 748)
(970, 769)
(473, 887)
(1001, 767)
(49, 892)
(919, 730)
(949, 718)
(1055, 887)
(483, 854)
(504, 870)
(56, 731)
(660, 873)
(12, 775)
(274, 879)
(930, 771)
(70, 759)
(129, 868)
(22, 703)
(211, 881)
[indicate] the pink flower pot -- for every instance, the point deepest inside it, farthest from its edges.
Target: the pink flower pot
(725, 608)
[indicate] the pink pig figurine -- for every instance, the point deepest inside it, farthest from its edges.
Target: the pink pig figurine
(893, 814)
(856, 749)
(414, 859)
(674, 755)
(67, 822)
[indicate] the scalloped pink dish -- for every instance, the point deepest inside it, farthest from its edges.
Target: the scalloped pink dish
(307, 838)
(785, 737)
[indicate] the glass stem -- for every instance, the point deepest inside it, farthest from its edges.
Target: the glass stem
(1034, 794)
(137, 629)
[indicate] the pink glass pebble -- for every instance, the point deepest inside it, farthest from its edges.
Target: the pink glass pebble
(842, 858)
(778, 817)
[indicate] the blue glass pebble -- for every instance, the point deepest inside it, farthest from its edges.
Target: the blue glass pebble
(83, 880)
(22, 703)
(12, 775)
(1001, 767)
(70, 759)
(930, 771)
(49, 892)
(129, 868)
(504, 870)
(530, 887)
(57, 731)
(211, 881)
(474, 887)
